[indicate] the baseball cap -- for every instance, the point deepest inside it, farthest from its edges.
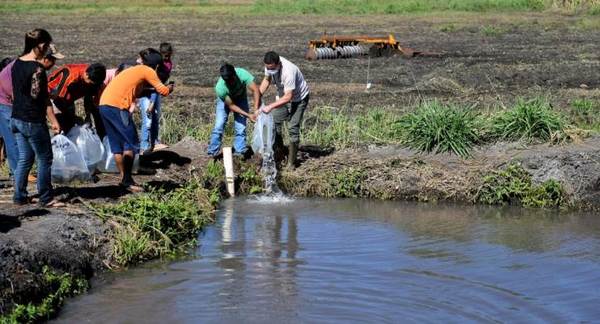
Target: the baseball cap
(52, 51)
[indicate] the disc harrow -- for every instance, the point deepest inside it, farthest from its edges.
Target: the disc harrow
(335, 47)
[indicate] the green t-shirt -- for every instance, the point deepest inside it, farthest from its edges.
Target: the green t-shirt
(239, 91)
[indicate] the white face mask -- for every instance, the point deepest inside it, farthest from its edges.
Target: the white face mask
(272, 72)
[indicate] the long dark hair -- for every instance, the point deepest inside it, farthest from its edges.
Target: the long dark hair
(36, 37)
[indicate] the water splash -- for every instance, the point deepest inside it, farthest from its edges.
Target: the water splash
(264, 137)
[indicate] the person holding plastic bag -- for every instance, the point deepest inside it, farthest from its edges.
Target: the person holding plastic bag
(292, 100)
(232, 96)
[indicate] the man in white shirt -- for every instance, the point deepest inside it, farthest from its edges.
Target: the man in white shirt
(291, 101)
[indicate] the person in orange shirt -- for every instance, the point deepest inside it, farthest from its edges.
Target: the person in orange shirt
(118, 122)
(71, 82)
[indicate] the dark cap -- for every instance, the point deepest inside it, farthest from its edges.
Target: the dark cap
(152, 60)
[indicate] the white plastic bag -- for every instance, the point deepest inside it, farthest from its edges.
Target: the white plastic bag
(264, 134)
(89, 144)
(67, 163)
(108, 164)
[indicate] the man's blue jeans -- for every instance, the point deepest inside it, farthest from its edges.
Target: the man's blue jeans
(10, 143)
(150, 122)
(239, 141)
(33, 140)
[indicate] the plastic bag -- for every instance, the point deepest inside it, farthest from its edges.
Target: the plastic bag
(89, 144)
(67, 163)
(108, 164)
(264, 134)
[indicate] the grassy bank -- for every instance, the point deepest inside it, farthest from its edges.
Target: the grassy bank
(435, 127)
(319, 7)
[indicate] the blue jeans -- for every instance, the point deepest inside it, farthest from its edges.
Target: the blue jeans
(10, 143)
(239, 141)
(33, 139)
(150, 122)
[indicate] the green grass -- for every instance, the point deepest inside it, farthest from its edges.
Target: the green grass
(345, 7)
(59, 286)
(276, 7)
(513, 185)
(158, 223)
(585, 113)
(492, 31)
(328, 126)
(438, 128)
(528, 120)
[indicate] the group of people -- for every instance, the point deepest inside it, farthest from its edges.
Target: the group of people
(30, 100)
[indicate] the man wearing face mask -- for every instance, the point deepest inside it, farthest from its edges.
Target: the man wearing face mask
(290, 104)
(231, 90)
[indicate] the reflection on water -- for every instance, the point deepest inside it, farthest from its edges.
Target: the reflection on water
(357, 261)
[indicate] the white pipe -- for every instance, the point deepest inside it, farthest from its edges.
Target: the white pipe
(228, 162)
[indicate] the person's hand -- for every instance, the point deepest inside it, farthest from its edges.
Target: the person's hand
(171, 87)
(267, 109)
(253, 117)
(55, 127)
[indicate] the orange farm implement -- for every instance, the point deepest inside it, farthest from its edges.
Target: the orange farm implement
(334, 47)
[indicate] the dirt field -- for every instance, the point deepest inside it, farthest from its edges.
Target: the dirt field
(489, 59)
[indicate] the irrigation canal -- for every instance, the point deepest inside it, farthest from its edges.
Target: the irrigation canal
(312, 260)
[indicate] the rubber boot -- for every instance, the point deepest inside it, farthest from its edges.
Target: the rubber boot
(292, 155)
(278, 149)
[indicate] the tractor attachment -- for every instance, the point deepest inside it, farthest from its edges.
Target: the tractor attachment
(333, 47)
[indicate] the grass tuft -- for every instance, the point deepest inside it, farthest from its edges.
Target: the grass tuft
(529, 120)
(434, 127)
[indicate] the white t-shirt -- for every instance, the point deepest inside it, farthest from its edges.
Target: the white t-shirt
(290, 78)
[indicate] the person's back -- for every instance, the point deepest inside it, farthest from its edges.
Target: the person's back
(66, 84)
(121, 91)
(30, 91)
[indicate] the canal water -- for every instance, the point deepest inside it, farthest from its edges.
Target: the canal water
(312, 261)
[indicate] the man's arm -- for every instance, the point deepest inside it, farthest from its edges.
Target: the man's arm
(235, 108)
(256, 94)
(52, 118)
(264, 85)
(287, 97)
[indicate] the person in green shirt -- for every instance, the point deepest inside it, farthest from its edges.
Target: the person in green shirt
(232, 95)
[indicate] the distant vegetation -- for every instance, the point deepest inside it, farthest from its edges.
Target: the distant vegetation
(412, 6)
(329, 7)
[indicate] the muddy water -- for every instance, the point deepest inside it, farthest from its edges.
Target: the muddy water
(365, 261)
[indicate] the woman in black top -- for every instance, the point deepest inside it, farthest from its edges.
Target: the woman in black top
(31, 105)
